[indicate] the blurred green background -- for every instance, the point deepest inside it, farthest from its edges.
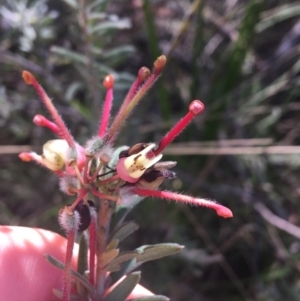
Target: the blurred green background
(241, 58)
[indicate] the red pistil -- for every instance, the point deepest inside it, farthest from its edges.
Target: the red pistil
(195, 108)
(25, 157)
(42, 121)
(108, 83)
(134, 96)
(68, 259)
(220, 209)
(143, 74)
(92, 245)
(63, 130)
(70, 221)
(159, 64)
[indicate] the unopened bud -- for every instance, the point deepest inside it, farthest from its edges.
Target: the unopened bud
(108, 81)
(160, 63)
(54, 154)
(143, 74)
(196, 107)
(28, 77)
(26, 157)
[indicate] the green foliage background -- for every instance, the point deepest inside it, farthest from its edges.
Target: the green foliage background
(241, 58)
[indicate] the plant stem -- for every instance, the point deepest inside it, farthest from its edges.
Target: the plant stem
(68, 259)
(104, 216)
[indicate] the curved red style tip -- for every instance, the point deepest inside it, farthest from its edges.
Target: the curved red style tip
(224, 212)
(38, 120)
(26, 157)
(108, 81)
(143, 74)
(196, 107)
(160, 63)
(28, 77)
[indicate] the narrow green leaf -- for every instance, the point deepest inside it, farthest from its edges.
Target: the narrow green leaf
(94, 4)
(71, 55)
(59, 294)
(76, 275)
(123, 51)
(151, 298)
(117, 55)
(104, 70)
(152, 252)
(124, 288)
(282, 13)
(145, 253)
(108, 257)
(97, 16)
(125, 230)
(110, 25)
(112, 245)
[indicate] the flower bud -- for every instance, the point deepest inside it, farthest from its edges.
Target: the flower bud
(108, 81)
(54, 154)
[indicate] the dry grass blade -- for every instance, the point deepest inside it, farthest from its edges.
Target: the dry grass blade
(217, 151)
(14, 149)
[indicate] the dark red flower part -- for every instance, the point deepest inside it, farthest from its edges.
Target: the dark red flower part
(85, 216)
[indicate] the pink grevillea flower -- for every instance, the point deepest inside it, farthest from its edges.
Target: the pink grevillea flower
(111, 174)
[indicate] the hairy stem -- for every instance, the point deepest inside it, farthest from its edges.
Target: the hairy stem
(68, 259)
(104, 216)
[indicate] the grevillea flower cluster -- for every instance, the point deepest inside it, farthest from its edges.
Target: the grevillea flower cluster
(108, 175)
